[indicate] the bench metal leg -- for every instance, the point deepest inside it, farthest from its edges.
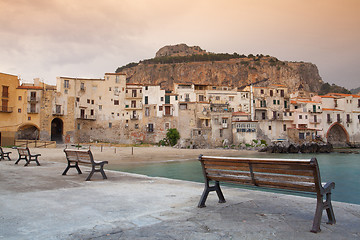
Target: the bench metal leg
(21, 158)
(72, 166)
(318, 215)
(329, 210)
(209, 189)
(93, 170)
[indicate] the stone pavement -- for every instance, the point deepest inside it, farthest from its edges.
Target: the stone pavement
(37, 202)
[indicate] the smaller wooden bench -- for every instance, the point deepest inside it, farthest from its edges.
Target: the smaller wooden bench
(288, 174)
(3, 154)
(76, 157)
(24, 153)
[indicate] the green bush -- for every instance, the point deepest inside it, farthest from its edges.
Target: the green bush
(172, 136)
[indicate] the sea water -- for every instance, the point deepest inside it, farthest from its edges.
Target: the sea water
(343, 169)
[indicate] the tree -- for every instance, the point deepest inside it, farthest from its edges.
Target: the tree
(172, 136)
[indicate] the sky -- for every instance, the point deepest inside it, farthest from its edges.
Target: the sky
(87, 38)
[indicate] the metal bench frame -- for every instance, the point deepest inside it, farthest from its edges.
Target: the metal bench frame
(216, 170)
(24, 154)
(74, 157)
(3, 154)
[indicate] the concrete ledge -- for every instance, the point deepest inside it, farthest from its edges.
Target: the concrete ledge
(37, 202)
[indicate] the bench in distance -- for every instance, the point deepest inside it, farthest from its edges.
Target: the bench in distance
(24, 153)
(3, 154)
(288, 174)
(76, 157)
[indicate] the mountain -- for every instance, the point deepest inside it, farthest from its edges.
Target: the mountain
(355, 91)
(184, 64)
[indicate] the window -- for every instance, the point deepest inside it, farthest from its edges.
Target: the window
(183, 106)
(100, 107)
(306, 117)
(150, 127)
(146, 100)
(328, 118)
(136, 126)
(92, 112)
(19, 110)
(263, 116)
(110, 125)
(92, 101)
(88, 101)
(221, 132)
(109, 89)
(167, 99)
(302, 135)
(134, 93)
(117, 80)
(160, 108)
(147, 111)
(271, 93)
(262, 91)
(217, 98)
(78, 99)
(133, 104)
(269, 128)
(282, 93)
(66, 84)
(231, 98)
(146, 88)
(29, 118)
(78, 126)
(82, 86)
(274, 102)
(278, 102)
(20, 98)
(338, 118)
(167, 126)
(162, 99)
(284, 127)
(116, 102)
(300, 116)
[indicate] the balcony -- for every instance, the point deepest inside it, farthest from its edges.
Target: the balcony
(225, 125)
(86, 117)
(33, 110)
(6, 109)
(33, 99)
(329, 120)
(134, 106)
(348, 120)
(134, 117)
(339, 120)
(131, 95)
(315, 120)
(58, 112)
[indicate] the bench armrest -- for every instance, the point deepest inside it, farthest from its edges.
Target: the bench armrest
(327, 187)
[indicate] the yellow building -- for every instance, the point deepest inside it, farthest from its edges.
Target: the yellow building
(20, 109)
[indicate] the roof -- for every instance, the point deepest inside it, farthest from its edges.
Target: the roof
(344, 95)
(83, 79)
(331, 109)
(30, 87)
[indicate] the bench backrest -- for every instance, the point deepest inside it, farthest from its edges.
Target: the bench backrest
(82, 156)
(291, 174)
(1, 150)
(23, 151)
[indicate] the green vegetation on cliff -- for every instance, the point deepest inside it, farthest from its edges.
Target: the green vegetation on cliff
(327, 88)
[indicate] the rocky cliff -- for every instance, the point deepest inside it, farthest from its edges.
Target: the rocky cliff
(234, 72)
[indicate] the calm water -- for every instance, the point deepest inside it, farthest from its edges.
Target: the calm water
(343, 169)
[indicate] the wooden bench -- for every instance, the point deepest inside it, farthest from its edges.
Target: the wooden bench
(76, 157)
(24, 153)
(3, 154)
(289, 174)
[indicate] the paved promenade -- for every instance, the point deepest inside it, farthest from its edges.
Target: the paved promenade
(37, 202)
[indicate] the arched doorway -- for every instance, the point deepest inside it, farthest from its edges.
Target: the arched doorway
(337, 135)
(57, 130)
(28, 132)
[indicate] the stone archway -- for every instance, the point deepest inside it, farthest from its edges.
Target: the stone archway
(28, 132)
(57, 130)
(337, 135)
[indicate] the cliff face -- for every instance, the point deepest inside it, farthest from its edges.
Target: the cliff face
(179, 50)
(235, 72)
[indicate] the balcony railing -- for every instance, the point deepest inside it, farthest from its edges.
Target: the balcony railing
(33, 99)
(329, 120)
(6, 109)
(315, 120)
(348, 120)
(134, 117)
(131, 95)
(132, 107)
(33, 110)
(86, 117)
(58, 112)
